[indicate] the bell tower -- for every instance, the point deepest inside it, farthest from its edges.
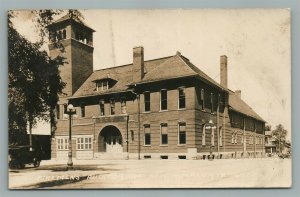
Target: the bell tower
(77, 41)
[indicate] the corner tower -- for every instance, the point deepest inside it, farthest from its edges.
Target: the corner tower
(77, 41)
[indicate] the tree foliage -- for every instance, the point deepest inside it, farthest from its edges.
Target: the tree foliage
(34, 83)
(279, 134)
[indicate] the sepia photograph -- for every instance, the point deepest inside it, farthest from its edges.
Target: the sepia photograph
(149, 98)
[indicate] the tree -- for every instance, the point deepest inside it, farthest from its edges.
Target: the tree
(279, 134)
(34, 81)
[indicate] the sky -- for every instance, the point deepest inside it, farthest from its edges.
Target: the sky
(257, 43)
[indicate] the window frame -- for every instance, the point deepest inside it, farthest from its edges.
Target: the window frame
(147, 103)
(147, 133)
(84, 143)
(179, 134)
(102, 107)
(165, 100)
(162, 143)
(82, 110)
(62, 143)
(181, 97)
(112, 106)
(123, 105)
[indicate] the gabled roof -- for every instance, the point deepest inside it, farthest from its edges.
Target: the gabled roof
(237, 104)
(157, 70)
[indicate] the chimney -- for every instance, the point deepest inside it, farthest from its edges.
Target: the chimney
(138, 63)
(238, 93)
(223, 71)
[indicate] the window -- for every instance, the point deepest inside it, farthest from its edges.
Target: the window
(82, 110)
(57, 112)
(123, 106)
(212, 102)
(203, 136)
(84, 143)
(112, 106)
(62, 143)
(212, 136)
(163, 100)
(181, 98)
(182, 133)
(147, 101)
(101, 106)
(202, 99)
(147, 137)
(102, 85)
(242, 139)
(64, 34)
(164, 133)
(235, 138)
(132, 135)
(221, 136)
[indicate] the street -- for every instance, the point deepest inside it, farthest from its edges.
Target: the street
(237, 173)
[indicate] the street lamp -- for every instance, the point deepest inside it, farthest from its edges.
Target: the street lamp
(70, 111)
(210, 125)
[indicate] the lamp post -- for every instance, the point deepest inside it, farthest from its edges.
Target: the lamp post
(211, 126)
(70, 111)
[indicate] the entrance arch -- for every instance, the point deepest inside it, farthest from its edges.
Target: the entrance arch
(110, 140)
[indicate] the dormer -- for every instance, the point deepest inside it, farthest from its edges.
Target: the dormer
(104, 84)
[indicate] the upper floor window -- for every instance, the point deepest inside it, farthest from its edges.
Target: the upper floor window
(147, 101)
(123, 105)
(181, 98)
(112, 107)
(164, 133)
(101, 106)
(147, 134)
(212, 102)
(132, 135)
(221, 136)
(64, 34)
(57, 112)
(202, 99)
(163, 100)
(82, 110)
(102, 85)
(182, 133)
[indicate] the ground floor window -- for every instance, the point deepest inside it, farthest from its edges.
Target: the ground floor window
(84, 143)
(147, 134)
(182, 133)
(62, 143)
(164, 133)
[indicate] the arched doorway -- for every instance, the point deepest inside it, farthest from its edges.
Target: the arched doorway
(110, 140)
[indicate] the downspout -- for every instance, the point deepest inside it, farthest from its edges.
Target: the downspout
(218, 129)
(127, 142)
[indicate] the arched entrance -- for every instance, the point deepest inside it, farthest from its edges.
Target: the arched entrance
(110, 140)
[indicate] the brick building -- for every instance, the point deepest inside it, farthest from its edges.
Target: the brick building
(162, 108)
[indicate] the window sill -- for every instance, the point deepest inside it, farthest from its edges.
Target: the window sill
(181, 109)
(147, 145)
(146, 112)
(164, 145)
(165, 110)
(181, 144)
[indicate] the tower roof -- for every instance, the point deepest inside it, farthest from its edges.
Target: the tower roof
(68, 18)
